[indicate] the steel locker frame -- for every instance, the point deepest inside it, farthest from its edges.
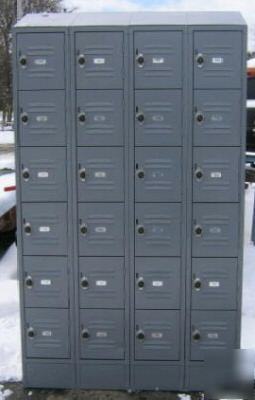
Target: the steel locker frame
(129, 372)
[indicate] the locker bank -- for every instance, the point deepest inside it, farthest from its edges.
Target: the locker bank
(130, 131)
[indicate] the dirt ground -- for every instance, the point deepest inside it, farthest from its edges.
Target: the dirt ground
(18, 393)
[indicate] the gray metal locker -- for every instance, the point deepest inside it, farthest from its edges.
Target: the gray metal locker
(43, 174)
(42, 118)
(100, 117)
(158, 120)
(130, 135)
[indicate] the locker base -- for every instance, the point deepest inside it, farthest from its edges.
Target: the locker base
(103, 375)
(50, 375)
(158, 377)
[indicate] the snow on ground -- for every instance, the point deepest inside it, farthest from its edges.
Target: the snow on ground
(6, 137)
(7, 199)
(7, 160)
(10, 346)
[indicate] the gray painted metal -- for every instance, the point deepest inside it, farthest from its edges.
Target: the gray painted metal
(47, 333)
(211, 331)
(158, 119)
(158, 174)
(41, 61)
(117, 94)
(102, 334)
(216, 172)
(214, 283)
(158, 283)
(42, 118)
(43, 174)
(46, 282)
(157, 335)
(100, 174)
(156, 68)
(99, 61)
(221, 119)
(101, 282)
(102, 111)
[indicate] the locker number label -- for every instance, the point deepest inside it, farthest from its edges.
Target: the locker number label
(101, 283)
(44, 229)
(99, 61)
(214, 284)
(157, 283)
(158, 60)
(101, 334)
(43, 174)
(100, 229)
(213, 335)
(41, 118)
(45, 282)
(157, 335)
(40, 61)
(217, 60)
(47, 333)
(216, 174)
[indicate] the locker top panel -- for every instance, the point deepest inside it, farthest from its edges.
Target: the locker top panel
(44, 20)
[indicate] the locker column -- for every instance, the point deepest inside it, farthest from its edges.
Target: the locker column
(102, 333)
(43, 206)
(158, 209)
(216, 195)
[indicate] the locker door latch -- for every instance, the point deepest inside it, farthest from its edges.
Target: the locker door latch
(140, 60)
(200, 60)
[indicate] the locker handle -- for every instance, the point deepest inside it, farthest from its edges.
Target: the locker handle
(140, 335)
(197, 284)
(200, 60)
(84, 283)
(140, 229)
(31, 333)
(23, 61)
(140, 283)
(27, 228)
(198, 174)
(199, 117)
(29, 282)
(196, 335)
(85, 334)
(25, 174)
(24, 118)
(140, 117)
(82, 173)
(81, 60)
(83, 229)
(140, 173)
(82, 117)
(140, 60)
(198, 230)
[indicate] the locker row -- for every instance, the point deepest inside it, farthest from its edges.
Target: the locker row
(216, 62)
(102, 334)
(157, 118)
(157, 229)
(157, 283)
(158, 174)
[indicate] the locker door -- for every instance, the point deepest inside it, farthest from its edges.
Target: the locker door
(157, 283)
(43, 174)
(100, 117)
(214, 283)
(216, 174)
(47, 333)
(157, 335)
(46, 282)
(212, 331)
(101, 229)
(217, 118)
(100, 174)
(101, 282)
(215, 230)
(42, 118)
(99, 60)
(158, 229)
(102, 334)
(158, 174)
(44, 229)
(158, 118)
(217, 59)
(158, 60)
(40, 60)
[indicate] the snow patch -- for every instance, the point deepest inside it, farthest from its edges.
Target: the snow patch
(5, 393)
(7, 137)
